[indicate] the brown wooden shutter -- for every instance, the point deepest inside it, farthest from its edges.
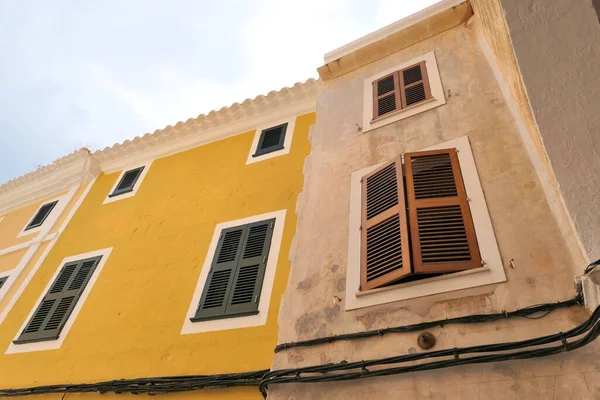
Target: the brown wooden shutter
(386, 95)
(414, 85)
(385, 255)
(442, 232)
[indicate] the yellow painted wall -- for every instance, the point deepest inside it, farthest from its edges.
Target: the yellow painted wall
(10, 260)
(130, 325)
(14, 222)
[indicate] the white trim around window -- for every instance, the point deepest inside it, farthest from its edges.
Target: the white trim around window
(491, 272)
(62, 202)
(267, 287)
(55, 344)
(137, 185)
(287, 142)
(438, 97)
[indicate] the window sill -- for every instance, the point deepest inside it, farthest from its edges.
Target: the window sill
(402, 110)
(422, 281)
(216, 317)
(267, 151)
(115, 194)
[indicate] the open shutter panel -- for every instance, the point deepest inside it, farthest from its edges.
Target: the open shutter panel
(217, 289)
(442, 231)
(386, 95)
(245, 295)
(414, 85)
(385, 254)
(51, 315)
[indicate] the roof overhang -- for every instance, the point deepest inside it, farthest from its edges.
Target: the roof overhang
(397, 36)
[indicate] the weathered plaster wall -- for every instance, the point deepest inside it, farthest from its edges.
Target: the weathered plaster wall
(556, 45)
(525, 227)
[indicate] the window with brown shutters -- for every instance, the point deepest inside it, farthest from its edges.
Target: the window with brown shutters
(400, 89)
(54, 310)
(234, 283)
(416, 220)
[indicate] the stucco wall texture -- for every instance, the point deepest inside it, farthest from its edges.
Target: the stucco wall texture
(556, 46)
(130, 325)
(526, 231)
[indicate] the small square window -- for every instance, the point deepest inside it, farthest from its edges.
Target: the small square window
(127, 182)
(41, 215)
(271, 139)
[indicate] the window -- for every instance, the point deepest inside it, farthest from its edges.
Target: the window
(41, 215)
(234, 283)
(400, 89)
(3, 281)
(271, 139)
(436, 236)
(441, 262)
(56, 306)
(127, 182)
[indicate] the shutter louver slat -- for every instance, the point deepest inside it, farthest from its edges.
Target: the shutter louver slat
(53, 312)
(385, 256)
(442, 231)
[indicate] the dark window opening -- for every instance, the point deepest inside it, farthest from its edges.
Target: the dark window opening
(271, 139)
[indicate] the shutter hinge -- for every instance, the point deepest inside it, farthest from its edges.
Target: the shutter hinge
(255, 299)
(264, 259)
(402, 158)
(360, 228)
(271, 225)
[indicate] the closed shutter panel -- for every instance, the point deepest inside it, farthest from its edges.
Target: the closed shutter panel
(56, 306)
(386, 95)
(245, 296)
(234, 283)
(127, 182)
(271, 139)
(41, 215)
(218, 283)
(442, 231)
(385, 254)
(414, 85)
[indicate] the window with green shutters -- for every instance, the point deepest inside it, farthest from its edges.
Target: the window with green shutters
(127, 182)
(54, 310)
(41, 215)
(234, 283)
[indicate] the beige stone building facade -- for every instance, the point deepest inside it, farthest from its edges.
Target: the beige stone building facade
(476, 97)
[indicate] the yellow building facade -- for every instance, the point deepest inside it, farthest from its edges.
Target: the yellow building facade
(167, 257)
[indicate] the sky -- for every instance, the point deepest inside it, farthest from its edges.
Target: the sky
(92, 73)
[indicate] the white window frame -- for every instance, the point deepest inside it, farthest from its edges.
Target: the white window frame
(492, 270)
(435, 85)
(287, 142)
(267, 286)
(57, 343)
(136, 187)
(62, 202)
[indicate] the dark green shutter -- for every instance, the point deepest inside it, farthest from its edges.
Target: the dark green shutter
(271, 139)
(3, 281)
(128, 181)
(41, 215)
(235, 279)
(56, 306)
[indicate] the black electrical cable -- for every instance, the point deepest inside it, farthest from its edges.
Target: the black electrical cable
(166, 384)
(322, 371)
(526, 312)
(263, 378)
(592, 266)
